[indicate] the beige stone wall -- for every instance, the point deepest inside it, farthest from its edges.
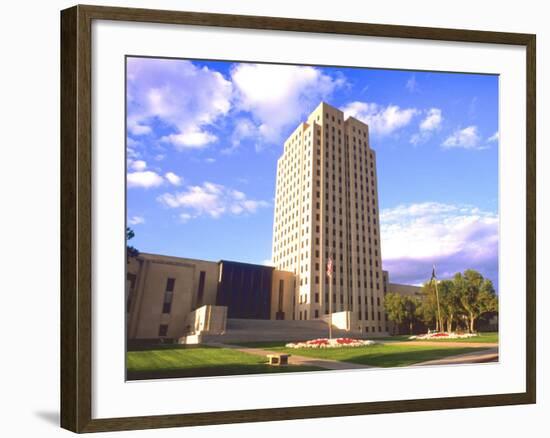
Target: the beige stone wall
(282, 298)
(341, 320)
(145, 292)
(145, 300)
(207, 319)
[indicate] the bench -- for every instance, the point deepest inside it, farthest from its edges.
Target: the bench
(278, 359)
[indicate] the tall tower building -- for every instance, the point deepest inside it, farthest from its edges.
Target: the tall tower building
(326, 206)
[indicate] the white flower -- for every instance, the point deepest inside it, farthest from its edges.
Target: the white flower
(438, 335)
(331, 343)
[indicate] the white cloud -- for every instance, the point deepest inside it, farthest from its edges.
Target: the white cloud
(181, 95)
(430, 123)
(382, 120)
(190, 140)
(145, 179)
(243, 129)
(173, 178)
(137, 128)
(412, 84)
(417, 138)
(454, 237)
(467, 138)
(131, 146)
(278, 96)
(136, 220)
(210, 199)
(268, 262)
(493, 138)
(210, 160)
(130, 142)
(138, 165)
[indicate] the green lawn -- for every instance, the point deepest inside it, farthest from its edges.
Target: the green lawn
(177, 361)
(382, 355)
(482, 337)
(172, 361)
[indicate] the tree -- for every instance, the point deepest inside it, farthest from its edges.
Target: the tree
(401, 309)
(412, 304)
(427, 310)
(450, 303)
(394, 306)
(130, 250)
(476, 295)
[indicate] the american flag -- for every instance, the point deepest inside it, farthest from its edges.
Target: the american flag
(330, 267)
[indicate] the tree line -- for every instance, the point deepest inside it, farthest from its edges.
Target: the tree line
(462, 301)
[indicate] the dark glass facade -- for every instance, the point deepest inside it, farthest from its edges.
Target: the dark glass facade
(245, 289)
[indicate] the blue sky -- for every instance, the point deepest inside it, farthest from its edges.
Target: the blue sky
(203, 139)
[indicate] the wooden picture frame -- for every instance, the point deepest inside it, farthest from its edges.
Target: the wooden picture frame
(76, 217)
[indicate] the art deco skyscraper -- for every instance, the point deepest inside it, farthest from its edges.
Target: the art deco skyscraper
(326, 205)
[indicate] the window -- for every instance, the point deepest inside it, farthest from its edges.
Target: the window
(170, 284)
(200, 292)
(163, 330)
(168, 295)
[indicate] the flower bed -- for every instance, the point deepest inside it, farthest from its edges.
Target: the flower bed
(441, 335)
(331, 343)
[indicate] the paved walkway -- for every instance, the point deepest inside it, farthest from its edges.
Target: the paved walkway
(490, 355)
(298, 360)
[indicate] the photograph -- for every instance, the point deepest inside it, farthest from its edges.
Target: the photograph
(298, 218)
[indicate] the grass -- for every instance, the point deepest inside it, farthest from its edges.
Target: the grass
(489, 337)
(180, 361)
(173, 361)
(382, 355)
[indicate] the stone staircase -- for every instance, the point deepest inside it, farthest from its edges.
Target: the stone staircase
(255, 330)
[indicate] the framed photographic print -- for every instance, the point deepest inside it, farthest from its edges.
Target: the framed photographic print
(269, 218)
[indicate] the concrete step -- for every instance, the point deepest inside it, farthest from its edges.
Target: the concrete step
(261, 324)
(253, 330)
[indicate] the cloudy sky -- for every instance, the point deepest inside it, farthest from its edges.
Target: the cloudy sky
(203, 140)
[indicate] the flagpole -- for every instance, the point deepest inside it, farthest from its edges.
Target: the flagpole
(437, 298)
